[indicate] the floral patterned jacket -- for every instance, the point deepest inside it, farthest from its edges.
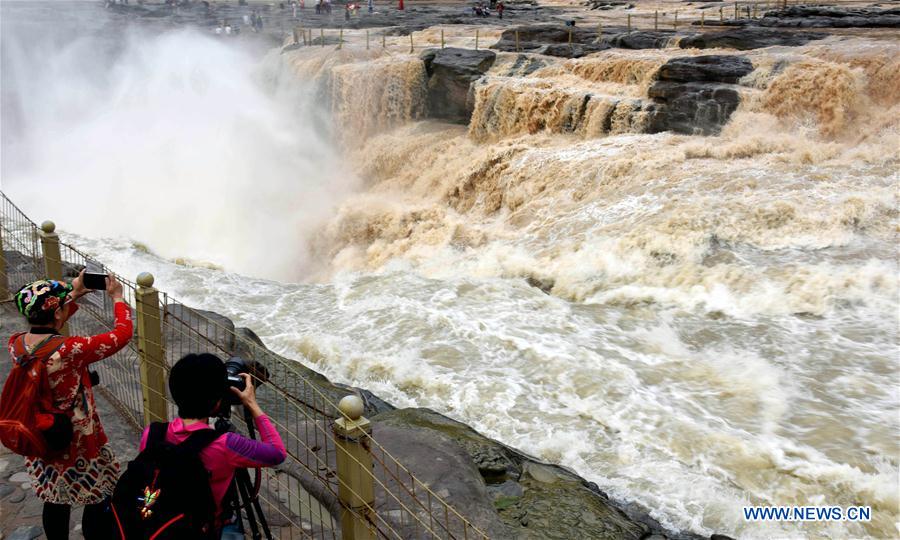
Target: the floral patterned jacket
(70, 384)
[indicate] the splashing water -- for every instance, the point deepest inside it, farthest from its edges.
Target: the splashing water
(178, 138)
(694, 323)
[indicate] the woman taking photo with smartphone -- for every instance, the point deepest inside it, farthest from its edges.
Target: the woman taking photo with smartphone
(79, 468)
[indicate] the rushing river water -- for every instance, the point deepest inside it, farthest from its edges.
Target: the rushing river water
(696, 324)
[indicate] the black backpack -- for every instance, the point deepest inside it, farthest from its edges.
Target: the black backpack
(165, 492)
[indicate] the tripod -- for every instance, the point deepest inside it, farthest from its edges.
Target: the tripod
(242, 494)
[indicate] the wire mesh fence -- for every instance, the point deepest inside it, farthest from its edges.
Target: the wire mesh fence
(311, 495)
(19, 236)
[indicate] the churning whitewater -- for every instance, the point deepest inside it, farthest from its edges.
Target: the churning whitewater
(694, 323)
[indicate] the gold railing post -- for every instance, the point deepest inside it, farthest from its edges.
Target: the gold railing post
(356, 489)
(442, 38)
(476, 40)
(52, 258)
(656, 20)
(517, 41)
(629, 23)
(4, 277)
(50, 247)
(341, 38)
(150, 350)
(675, 23)
(702, 19)
(411, 46)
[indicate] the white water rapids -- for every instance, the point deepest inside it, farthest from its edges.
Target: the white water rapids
(720, 326)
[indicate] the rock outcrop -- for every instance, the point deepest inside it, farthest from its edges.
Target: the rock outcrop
(832, 17)
(607, 4)
(697, 95)
(543, 34)
(532, 499)
(710, 68)
(551, 40)
(639, 39)
(451, 72)
(747, 38)
(554, 40)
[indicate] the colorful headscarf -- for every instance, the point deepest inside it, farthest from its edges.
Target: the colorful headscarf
(41, 296)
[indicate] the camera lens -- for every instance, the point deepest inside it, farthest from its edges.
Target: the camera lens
(234, 367)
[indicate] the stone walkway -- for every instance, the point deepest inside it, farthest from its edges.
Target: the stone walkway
(20, 510)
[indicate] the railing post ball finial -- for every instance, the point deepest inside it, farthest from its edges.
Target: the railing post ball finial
(48, 226)
(145, 279)
(351, 406)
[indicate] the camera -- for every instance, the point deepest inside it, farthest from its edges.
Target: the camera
(234, 367)
(94, 277)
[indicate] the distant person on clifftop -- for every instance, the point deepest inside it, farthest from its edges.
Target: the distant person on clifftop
(500, 8)
(79, 467)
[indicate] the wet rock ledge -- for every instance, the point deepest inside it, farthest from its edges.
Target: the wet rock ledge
(691, 94)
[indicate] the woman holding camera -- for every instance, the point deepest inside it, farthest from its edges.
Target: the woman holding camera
(198, 384)
(81, 468)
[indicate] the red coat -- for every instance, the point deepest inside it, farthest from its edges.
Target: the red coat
(70, 385)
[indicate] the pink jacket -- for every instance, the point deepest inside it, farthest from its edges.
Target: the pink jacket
(230, 451)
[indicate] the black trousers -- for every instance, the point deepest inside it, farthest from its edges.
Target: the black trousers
(96, 522)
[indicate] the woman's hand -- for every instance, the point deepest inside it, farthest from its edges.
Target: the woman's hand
(248, 395)
(114, 288)
(78, 288)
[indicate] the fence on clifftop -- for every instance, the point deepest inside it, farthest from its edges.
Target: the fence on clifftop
(337, 482)
(659, 16)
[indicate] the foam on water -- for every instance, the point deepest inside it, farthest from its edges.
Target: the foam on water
(696, 324)
(689, 415)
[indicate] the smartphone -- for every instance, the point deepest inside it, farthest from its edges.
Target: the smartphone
(94, 277)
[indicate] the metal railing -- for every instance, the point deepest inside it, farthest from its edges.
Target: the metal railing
(338, 481)
(660, 16)
(669, 16)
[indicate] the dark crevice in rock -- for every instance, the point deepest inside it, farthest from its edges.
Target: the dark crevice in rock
(451, 72)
